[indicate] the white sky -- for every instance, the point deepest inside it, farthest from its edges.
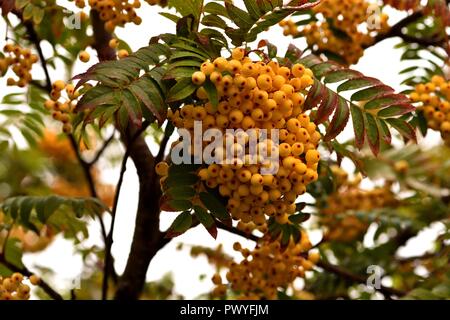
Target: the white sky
(380, 61)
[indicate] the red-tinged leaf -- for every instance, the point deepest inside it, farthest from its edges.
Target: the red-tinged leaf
(131, 104)
(181, 224)
(310, 60)
(322, 68)
(371, 93)
(396, 110)
(403, 127)
(215, 206)
(340, 75)
(385, 133)
(314, 95)
(358, 83)
(385, 101)
(373, 136)
(144, 97)
(164, 204)
(358, 125)
(85, 76)
(206, 220)
(327, 106)
(340, 119)
(97, 96)
(293, 53)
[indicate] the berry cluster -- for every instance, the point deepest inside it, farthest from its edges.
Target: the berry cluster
(114, 12)
(215, 256)
(20, 60)
(266, 268)
(350, 197)
(403, 4)
(256, 95)
(13, 288)
(347, 27)
(434, 97)
(62, 106)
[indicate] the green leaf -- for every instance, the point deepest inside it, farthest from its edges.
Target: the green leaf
(212, 20)
(19, 4)
(180, 205)
(339, 121)
(371, 93)
(404, 128)
(14, 253)
(373, 136)
(299, 217)
(181, 90)
(385, 133)
(28, 12)
(358, 125)
(385, 100)
(340, 75)
(186, 8)
(38, 15)
(206, 220)
(214, 205)
(395, 110)
(216, 8)
(183, 179)
(241, 18)
(170, 16)
(181, 192)
(180, 225)
(357, 83)
(211, 92)
(253, 9)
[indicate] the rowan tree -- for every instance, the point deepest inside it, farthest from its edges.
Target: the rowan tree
(355, 177)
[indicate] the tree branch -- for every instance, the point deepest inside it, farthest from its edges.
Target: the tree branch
(236, 231)
(109, 240)
(387, 291)
(396, 31)
(147, 236)
(102, 149)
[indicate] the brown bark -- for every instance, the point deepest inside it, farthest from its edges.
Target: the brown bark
(147, 238)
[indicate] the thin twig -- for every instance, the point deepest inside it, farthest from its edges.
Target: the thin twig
(238, 232)
(37, 42)
(387, 291)
(396, 31)
(109, 238)
(102, 149)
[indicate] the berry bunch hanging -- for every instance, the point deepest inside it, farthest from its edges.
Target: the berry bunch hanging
(403, 5)
(13, 288)
(349, 197)
(266, 268)
(256, 95)
(434, 98)
(61, 105)
(345, 28)
(115, 13)
(20, 61)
